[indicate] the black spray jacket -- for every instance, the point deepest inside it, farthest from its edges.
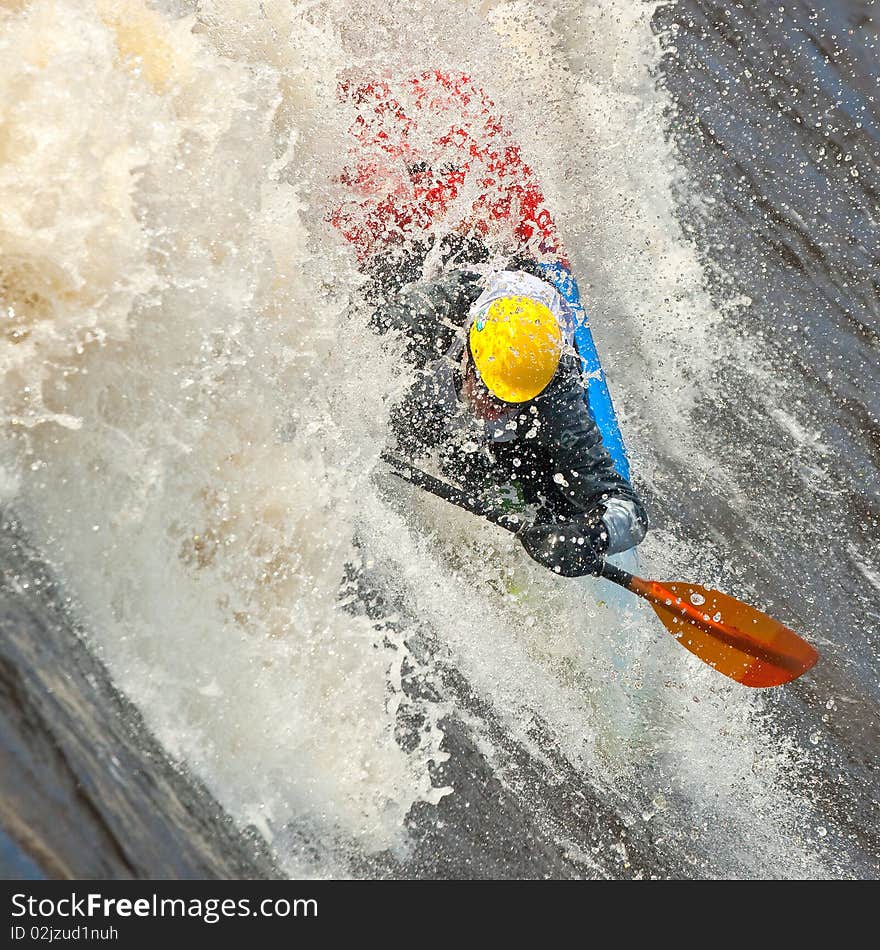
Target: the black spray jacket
(550, 446)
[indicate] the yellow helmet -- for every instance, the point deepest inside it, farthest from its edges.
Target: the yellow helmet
(516, 346)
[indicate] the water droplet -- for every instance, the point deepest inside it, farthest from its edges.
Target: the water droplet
(697, 599)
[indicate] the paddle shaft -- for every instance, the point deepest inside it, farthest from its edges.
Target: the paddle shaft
(460, 498)
(659, 596)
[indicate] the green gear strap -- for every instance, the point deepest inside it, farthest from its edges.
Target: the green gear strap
(508, 497)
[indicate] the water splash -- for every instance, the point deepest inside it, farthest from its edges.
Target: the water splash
(195, 410)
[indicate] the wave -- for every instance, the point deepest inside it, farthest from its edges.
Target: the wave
(194, 411)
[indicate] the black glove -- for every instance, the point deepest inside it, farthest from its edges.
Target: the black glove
(570, 548)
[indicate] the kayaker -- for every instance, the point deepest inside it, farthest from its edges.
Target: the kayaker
(499, 393)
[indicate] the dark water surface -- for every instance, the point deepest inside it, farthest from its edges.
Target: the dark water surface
(778, 125)
(84, 790)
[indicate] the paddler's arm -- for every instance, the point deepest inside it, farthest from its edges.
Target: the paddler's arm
(428, 313)
(583, 470)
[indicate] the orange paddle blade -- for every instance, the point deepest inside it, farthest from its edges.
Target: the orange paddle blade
(737, 640)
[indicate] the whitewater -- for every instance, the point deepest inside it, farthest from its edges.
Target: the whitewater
(193, 410)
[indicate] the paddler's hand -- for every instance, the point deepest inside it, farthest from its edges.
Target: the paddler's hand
(570, 548)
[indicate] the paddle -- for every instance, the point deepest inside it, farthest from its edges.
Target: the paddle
(730, 636)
